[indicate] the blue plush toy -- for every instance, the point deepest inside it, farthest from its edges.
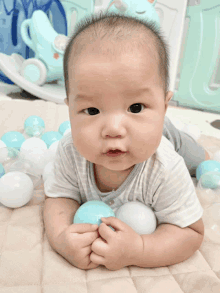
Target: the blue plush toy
(142, 9)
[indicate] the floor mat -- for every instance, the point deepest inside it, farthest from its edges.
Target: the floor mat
(208, 123)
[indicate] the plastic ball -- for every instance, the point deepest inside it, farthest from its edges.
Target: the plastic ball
(2, 170)
(37, 156)
(210, 180)
(25, 166)
(51, 137)
(67, 131)
(138, 216)
(64, 126)
(211, 218)
(48, 171)
(16, 189)
(92, 211)
(32, 143)
(13, 139)
(3, 151)
(7, 157)
(34, 126)
(8, 154)
(53, 148)
(207, 166)
(208, 188)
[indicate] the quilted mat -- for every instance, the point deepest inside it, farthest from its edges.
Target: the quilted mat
(28, 264)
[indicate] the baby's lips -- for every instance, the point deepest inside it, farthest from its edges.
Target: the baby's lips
(114, 150)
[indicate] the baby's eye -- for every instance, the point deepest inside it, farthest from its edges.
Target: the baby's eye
(136, 108)
(91, 111)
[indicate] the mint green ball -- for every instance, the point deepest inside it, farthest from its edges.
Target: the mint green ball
(51, 137)
(207, 166)
(34, 126)
(13, 139)
(92, 211)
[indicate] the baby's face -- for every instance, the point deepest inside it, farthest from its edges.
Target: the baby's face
(116, 105)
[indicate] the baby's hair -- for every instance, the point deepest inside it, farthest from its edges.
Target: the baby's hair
(111, 30)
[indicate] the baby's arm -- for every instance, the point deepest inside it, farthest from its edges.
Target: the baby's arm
(170, 244)
(71, 241)
(58, 214)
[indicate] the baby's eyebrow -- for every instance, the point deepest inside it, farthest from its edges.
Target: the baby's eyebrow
(81, 97)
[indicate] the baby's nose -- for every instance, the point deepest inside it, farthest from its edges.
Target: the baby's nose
(116, 130)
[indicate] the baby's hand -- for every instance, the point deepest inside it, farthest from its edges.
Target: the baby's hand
(116, 249)
(74, 244)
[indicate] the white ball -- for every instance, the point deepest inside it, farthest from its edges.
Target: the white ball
(37, 156)
(48, 171)
(67, 131)
(138, 216)
(50, 157)
(16, 189)
(34, 150)
(31, 143)
(53, 148)
(3, 152)
(216, 156)
(28, 168)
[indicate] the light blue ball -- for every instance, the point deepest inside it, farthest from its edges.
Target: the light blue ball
(2, 170)
(92, 211)
(13, 139)
(51, 137)
(207, 166)
(210, 180)
(34, 125)
(64, 126)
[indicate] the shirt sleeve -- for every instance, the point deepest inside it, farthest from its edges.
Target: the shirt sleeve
(174, 198)
(63, 182)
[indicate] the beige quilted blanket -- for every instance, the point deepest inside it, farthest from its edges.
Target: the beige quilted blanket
(28, 264)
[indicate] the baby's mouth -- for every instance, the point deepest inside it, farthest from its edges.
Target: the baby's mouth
(115, 153)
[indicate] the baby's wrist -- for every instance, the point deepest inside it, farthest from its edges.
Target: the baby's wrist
(137, 249)
(57, 237)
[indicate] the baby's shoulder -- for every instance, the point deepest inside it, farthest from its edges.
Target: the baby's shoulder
(68, 150)
(66, 139)
(66, 146)
(166, 156)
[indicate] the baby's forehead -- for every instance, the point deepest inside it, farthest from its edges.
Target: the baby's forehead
(143, 42)
(89, 58)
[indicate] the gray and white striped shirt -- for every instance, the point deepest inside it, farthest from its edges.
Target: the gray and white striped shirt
(162, 182)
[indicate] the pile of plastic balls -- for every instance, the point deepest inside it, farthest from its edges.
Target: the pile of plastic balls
(27, 158)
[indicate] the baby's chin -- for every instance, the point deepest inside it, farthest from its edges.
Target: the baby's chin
(116, 167)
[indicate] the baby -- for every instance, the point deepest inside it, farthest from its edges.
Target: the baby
(122, 148)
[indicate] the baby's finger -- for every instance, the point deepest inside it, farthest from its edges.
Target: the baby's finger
(86, 251)
(82, 228)
(87, 238)
(92, 266)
